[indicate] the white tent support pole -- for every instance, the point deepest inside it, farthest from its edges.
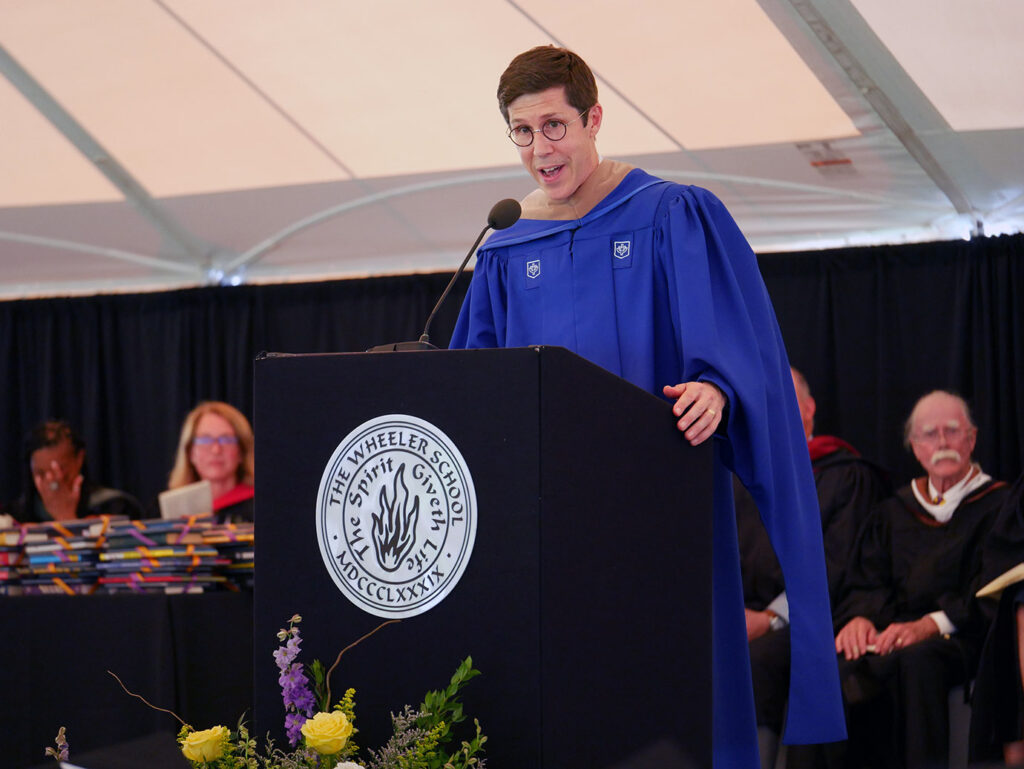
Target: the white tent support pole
(265, 246)
(875, 95)
(110, 253)
(168, 227)
(754, 181)
(1009, 204)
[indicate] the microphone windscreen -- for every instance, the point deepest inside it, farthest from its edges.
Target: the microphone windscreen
(504, 214)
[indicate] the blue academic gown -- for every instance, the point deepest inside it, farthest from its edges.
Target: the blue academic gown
(658, 285)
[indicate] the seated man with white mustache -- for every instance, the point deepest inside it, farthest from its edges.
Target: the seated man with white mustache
(910, 627)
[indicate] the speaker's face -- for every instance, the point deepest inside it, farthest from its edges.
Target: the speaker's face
(558, 166)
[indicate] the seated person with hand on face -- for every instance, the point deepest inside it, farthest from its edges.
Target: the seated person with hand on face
(57, 486)
(216, 445)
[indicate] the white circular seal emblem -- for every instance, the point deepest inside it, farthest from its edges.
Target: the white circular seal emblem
(396, 516)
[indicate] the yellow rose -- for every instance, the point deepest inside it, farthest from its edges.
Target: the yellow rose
(327, 733)
(207, 745)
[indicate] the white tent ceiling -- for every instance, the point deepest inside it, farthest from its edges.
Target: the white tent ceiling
(159, 143)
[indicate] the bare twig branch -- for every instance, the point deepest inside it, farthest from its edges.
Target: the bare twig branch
(133, 694)
(327, 678)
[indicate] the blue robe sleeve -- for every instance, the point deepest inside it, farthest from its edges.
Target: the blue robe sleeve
(727, 333)
(481, 322)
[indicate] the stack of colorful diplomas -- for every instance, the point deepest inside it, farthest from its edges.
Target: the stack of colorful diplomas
(159, 556)
(235, 542)
(58, 556)
(116, 555)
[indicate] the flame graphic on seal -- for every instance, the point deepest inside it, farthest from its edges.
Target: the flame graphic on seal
(394, 528)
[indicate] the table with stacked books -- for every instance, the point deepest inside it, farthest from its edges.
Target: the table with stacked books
(165, 605)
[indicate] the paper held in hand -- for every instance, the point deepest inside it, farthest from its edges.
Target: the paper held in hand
(1004, 580)
(193, 499)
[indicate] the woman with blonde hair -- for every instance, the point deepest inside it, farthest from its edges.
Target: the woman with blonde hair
(216, 445)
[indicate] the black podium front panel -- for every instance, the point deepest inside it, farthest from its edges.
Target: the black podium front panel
(626, 522)
(586, 602)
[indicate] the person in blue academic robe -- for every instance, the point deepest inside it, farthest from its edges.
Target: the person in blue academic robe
(654, 282)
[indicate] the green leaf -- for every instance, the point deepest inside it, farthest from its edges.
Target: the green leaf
(319, 674)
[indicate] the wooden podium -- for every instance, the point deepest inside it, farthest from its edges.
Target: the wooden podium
(586, 600)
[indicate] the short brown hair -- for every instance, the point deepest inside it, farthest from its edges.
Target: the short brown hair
(544, 67)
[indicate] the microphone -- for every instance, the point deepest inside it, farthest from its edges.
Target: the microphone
(503, 214)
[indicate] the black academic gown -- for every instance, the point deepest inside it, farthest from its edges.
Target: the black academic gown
(849, 487)
(909, 565)
(94, 500)
(997, 704)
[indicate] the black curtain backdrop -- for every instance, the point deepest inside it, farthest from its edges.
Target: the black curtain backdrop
(126, 369)
(872, 329)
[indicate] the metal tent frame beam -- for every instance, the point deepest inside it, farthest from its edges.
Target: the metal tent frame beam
(178, 240)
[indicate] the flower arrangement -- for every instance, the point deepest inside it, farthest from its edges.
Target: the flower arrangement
(320, 734)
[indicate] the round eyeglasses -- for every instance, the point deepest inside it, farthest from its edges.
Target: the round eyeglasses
(553, 130)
